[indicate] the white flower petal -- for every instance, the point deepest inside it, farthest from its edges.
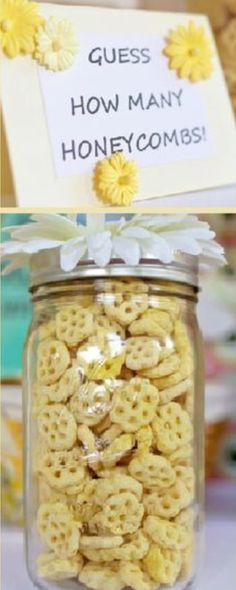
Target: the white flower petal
(127, 249)
(72, 252)
(100, 248)
(158, 248)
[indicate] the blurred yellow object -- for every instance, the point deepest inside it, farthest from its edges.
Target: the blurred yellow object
(11, 459)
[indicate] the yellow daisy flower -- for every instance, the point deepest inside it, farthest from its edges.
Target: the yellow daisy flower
(190, 52)
(116, 180)
(56, 44)
(19, 21)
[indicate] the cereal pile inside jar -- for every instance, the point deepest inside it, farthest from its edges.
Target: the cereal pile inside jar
(113, 403)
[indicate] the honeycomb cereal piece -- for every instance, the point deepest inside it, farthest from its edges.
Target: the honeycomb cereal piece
(181, 456)
(97, 542)
(74, 324)
(167, 504)
(111, 327)
(169, 535)
(144, 438)
(96, 309)
(117, 449)
(134, 405)
(189, 400)
(126, 285)
(133, 576)
(53, 360)
(170, 305)
(47, 494)
(171, 393)
(181, 338)
(164, 368)
(186, 519)
(172, 428)
(87, 438)
(122, 513)
(57, 427)
(163, 565)
(117, 483)
(126, 307)
(62, 469)
(186, 474)
(58, 529)
(58, 392)
(142, 353)
(131, 550)
(104, 576)
(184, 371)
(47, 330)
(91, 404)
(152, 323)
(152, 470)
(109, 435)
(52, 567)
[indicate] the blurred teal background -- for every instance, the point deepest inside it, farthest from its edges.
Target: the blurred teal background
(15, 311)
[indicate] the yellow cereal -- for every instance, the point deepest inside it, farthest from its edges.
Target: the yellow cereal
(152, 470)
(52, 567)
(163, 565)
(142, 353)
(121, 514)
(125, 307)
(52, 361)
(172, 428)
(57, 427)
(134, 405)
(74, 324)
(134, 577)
(101, 576)
(58, 529)
(169, 535)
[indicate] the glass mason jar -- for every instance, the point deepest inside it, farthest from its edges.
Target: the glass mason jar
(113, 418)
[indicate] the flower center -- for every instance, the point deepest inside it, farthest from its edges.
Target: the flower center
(124, 180)
(194, 52)
(56, 46)
(6, 25)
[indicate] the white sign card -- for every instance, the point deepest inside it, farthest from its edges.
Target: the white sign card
(118, 96)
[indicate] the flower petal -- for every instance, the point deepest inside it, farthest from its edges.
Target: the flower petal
(72, 252)
(127, 249)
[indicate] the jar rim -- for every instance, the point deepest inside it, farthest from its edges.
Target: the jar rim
(45, 269)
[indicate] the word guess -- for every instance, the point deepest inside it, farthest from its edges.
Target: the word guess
(156, 141)
(123, 55)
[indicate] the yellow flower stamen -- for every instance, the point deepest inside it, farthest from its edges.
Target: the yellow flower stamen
(56, 44)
